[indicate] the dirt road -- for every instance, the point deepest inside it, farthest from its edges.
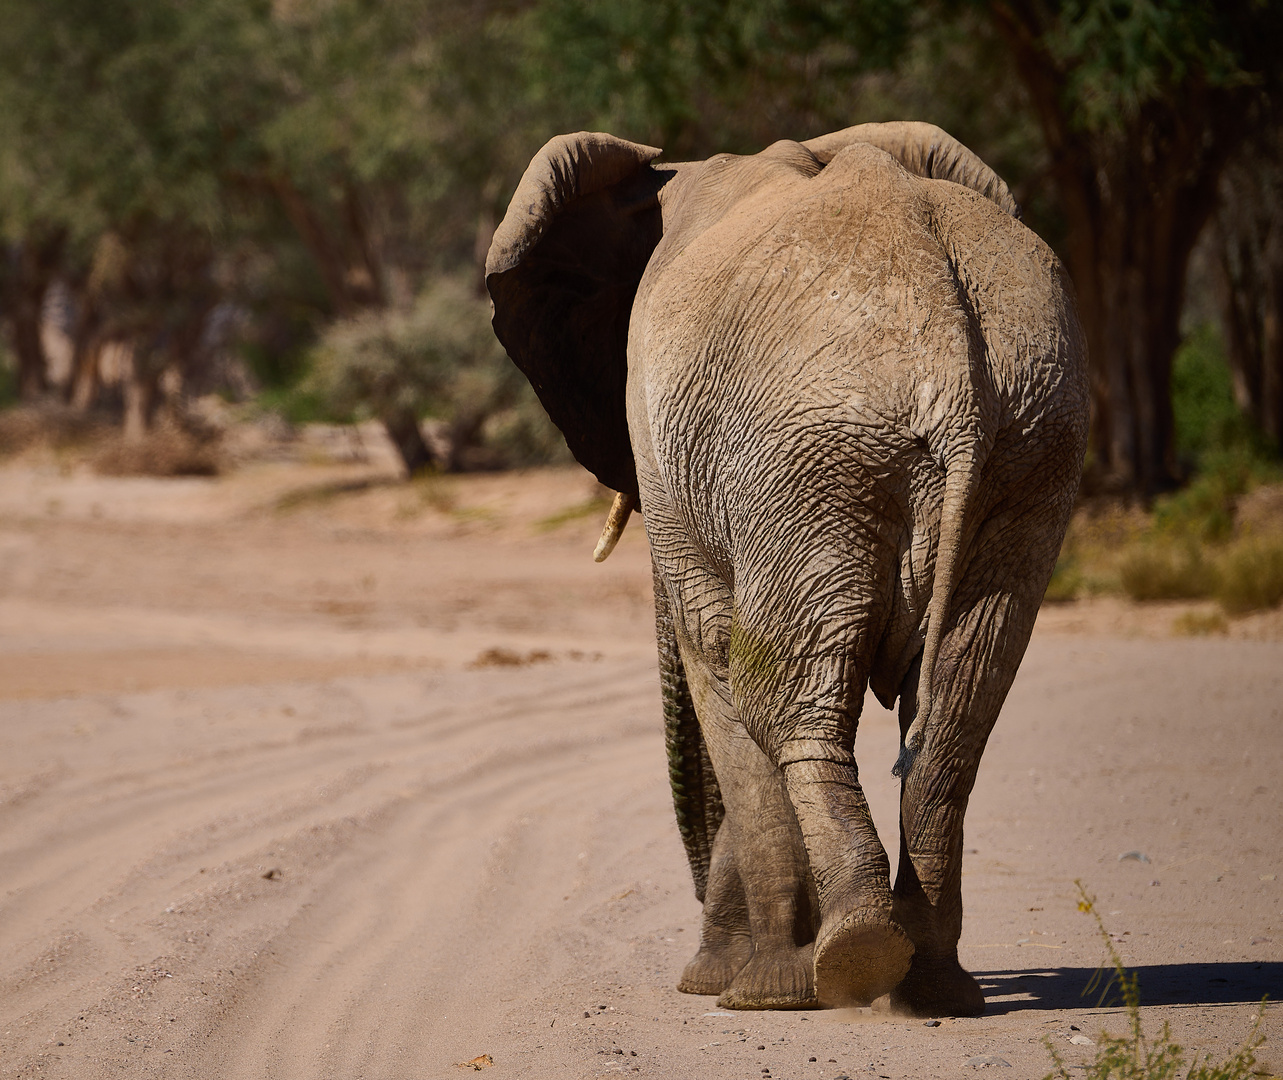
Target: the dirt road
(307, 774)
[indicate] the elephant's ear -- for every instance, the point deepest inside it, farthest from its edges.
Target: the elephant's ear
(562, 272)
(925, 150)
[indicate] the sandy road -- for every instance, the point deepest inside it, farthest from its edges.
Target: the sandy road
(272, 805)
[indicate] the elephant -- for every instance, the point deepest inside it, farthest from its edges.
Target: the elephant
(846, 389)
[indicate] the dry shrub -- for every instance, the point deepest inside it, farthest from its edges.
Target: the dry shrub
(165, 451)
(1067, 581)
(49, 425)
(1135, 1055)
(1155, 570)
(1200, 624)
(1249, 575)
(501, 657)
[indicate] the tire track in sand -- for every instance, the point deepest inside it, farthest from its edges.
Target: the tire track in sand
(403, 843)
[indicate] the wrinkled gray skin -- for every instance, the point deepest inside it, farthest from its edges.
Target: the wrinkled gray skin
(856, 411)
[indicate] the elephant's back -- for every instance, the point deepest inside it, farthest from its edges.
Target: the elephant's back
(860, 296)
(842, 336)
(819, 305)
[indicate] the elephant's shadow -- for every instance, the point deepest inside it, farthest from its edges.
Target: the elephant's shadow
(1160, 984)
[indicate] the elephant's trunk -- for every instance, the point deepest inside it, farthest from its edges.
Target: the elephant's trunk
(620, 509)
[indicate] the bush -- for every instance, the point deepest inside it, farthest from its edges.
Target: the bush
(1156, 570)
(46, 424)
(1249, 575)
(1066, 580)
(166, 450)
(439, 359)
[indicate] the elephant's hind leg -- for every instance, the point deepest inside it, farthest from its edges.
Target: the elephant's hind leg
(860, 953)
(928, 887)
(762, 832)
(726, 940)
(978, 660)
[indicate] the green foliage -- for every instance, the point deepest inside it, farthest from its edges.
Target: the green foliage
(384, 362)
(1208, 420)
(439, 359)
(1124, 54)
(701, 76)
(1135, 1057)
(1204, 510)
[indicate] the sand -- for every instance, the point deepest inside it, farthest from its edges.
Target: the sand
(308, 773)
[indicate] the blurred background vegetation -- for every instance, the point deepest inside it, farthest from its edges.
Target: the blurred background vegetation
(287, 203)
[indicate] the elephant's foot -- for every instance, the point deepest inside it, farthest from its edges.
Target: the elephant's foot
(860, 958)
(938, 988)
(777, 978)
(714, 967)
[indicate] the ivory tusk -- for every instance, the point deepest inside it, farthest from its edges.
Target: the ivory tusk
(615, 522)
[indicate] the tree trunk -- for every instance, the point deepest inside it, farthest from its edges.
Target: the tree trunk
(141, 392)
(82, 387)
(1131, 293)
(32, 264)
(351, 283)
(1248, 242)
(1135, 197)
(403, 429)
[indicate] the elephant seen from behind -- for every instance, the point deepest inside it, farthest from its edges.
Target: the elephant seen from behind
(847, 389)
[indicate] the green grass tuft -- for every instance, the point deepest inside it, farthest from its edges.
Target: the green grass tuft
(1135, 1057)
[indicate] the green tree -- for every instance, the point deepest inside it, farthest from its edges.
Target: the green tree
(1141, 103)
(1248, 249)
(1136, 106)
(162, 158)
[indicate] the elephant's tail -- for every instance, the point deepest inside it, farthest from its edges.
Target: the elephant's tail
(697, 799)
(961, 475)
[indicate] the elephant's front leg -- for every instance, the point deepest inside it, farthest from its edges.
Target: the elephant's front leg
(725, 937)
(768, 857)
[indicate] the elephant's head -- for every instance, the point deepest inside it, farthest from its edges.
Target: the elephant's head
(567, 259)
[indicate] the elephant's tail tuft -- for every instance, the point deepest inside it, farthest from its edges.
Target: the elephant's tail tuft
(961, 475)
(697, 799)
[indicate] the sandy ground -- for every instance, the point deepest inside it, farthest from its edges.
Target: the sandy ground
(306, 773)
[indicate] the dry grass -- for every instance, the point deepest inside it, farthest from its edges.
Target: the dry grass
(1200, 624)
(166, 451)
(1249, 574)
(169, 449)
(1206, 543)
(1158, 570)
(48, 426)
